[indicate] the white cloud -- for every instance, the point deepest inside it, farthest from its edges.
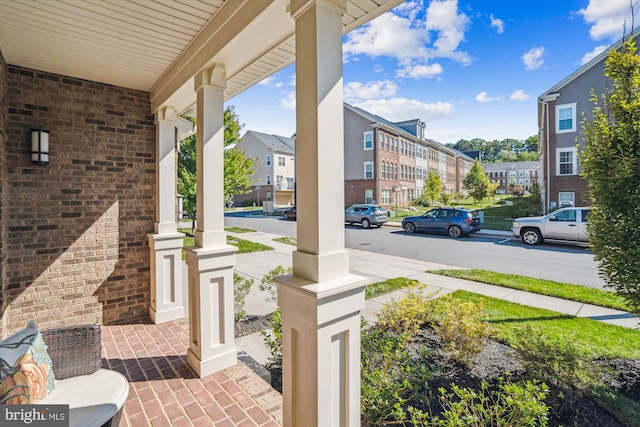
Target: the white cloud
(498, 24)
(398, 109)
(483, 97)
(375, 89)
(533, 59)
(419, 71)
(288, 103)
(590, 55)
(519, 95)
(607, 18)
(413, 42)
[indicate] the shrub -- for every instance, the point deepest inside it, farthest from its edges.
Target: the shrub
(460, 327)
(390, 376)
(513, 404)
(268, 285)
(407, 315)
(241, 288)
(273, 337)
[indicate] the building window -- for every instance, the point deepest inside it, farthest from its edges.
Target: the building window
(268, 179)
(566, 118)
(280, 161)
(368, 196)
(368, 170)
(566, 161)
(386, 197)
(368, 140)
(268, 160)
(268, 195)
(566, 199)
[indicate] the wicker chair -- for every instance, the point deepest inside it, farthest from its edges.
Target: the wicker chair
(77, 351)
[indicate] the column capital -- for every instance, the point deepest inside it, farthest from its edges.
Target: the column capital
(298, 7)
(212, 76)
(167, 113)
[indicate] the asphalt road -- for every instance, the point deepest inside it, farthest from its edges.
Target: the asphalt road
(562, 263)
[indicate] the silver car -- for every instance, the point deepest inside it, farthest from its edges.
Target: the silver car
(366, 215)
(565, 225)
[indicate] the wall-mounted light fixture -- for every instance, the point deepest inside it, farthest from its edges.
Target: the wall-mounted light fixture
(40, 146)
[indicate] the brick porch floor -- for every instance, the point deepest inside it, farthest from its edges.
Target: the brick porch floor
(164, 391)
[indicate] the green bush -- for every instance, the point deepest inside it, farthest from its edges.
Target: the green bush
(407, 315)
(513, 405)
(390, 376)
(459, 325)
(268, 285)
(273, 337)
(241, 288)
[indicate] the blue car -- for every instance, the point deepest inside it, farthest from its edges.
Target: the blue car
(455, 222)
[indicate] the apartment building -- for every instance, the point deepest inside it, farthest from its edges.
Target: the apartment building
(523, 174)
(274, 178)
(387, 162)
(560, 110)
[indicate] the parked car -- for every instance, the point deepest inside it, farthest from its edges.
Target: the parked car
(289, 213)
(565, 224)
(455, 222)
(366, 215)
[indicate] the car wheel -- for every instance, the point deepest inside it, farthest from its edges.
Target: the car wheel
(531, 236)
(409, 227)
(455, 231)
(366, 223)
(285, 216)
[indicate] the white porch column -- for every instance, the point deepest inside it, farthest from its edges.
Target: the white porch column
(211, 261)
(166, 243)
(321, 301)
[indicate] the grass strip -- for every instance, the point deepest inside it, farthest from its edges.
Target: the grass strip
(380, 288)
(544, 287)
(591, 337)
(239, 230)
(244, 246)
(288, 240)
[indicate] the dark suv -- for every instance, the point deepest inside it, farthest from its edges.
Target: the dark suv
(455, 222)
(366, 215)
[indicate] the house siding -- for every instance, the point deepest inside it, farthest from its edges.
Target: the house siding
(77, 228)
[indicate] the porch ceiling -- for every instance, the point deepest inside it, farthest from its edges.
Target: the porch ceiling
(159, 45)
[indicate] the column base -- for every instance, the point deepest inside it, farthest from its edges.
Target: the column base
(167, 288)
(321, 350)
(211, 310)
(226, 359)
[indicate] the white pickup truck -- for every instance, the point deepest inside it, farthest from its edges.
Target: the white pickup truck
(565, 225)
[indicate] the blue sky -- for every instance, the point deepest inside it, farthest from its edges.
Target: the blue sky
(468, 68)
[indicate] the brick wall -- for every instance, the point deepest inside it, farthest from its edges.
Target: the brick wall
(78, 249)
(354, 190)
(4, 190)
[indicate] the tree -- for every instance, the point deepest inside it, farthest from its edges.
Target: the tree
(476, 182)
(611, 166)
(432, 187)
(237, 167)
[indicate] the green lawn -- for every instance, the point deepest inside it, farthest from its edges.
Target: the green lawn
(244, 246)
(544, 287)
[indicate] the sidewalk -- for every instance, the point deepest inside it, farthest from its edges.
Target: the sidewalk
(378, 267)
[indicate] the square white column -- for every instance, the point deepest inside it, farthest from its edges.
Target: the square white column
(210, 263)
(165, 245)
(321, 301)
